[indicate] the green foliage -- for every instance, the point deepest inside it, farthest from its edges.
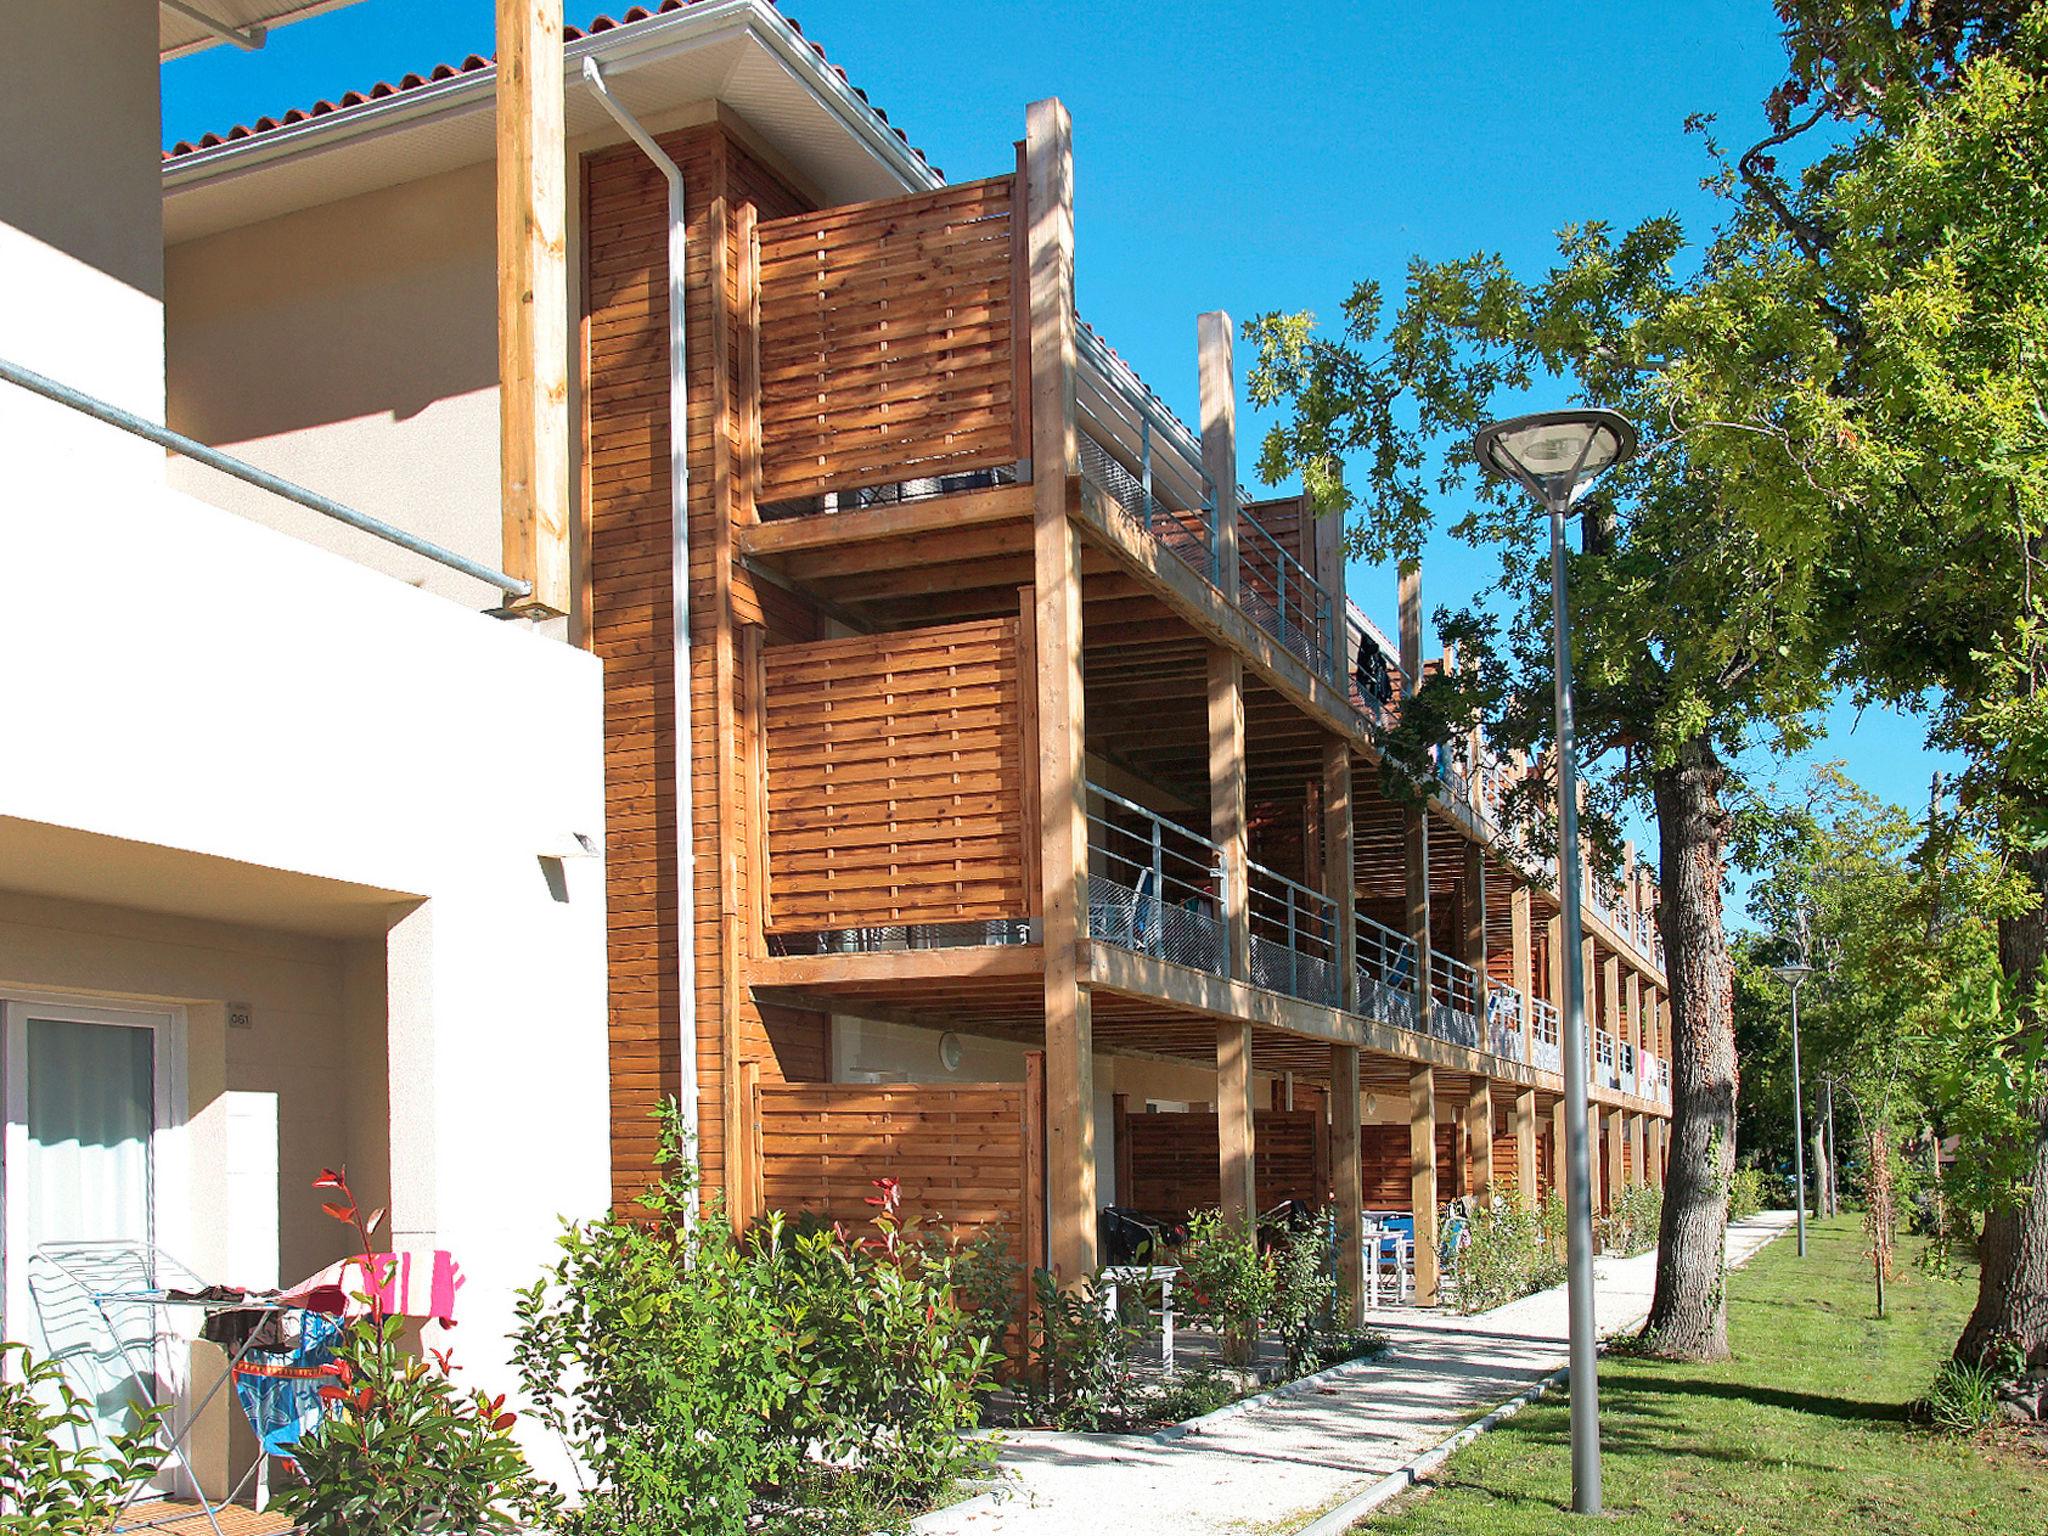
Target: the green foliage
(1511, 1250)
(1304, 1291)
(1190, 1394)
(1745, 1192)
(56, 1477)
(1230, 1284)
(400, 1448)
(1081, 1357)
(1963, 1398)
(800, 1378)
(986, 1282)
(1633, 1217)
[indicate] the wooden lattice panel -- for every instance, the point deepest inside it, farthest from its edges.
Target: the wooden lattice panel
(896, 779)
(888, 341)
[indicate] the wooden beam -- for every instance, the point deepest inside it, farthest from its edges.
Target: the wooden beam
(1348, 1191)
(1472, 908)
(1214, 342)
(1062, 731)
(861, 967)
(1615, 1132)
(1479, 1144)
(1226, 800)
(902, 520)
(1422, 1181)
(533, 306)
(1340, 867)
(1560, 1150)
(1235, 1125)
(1636, 1164)
(1523, 1120)
(1521, 940)
(1414, 819)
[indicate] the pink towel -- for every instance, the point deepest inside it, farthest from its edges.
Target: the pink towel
(415, 1282)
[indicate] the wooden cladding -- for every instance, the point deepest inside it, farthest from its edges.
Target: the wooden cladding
(889, 347)
(1173, 1166)
(963, 1156)
(897, 779)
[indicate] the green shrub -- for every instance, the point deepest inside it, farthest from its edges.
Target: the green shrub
(800, 1378)
(1633, 1219)
(1305, 1294)
(986, 1282)
(1745, 1193)
(1230, 1284)
(1963, 1398)
(1190, 1394)
(55, 1478)
(1080, 1357)
(399, 1447)
(1510, 1251)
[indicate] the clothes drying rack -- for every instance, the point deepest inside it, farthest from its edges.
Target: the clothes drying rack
(115, 1275)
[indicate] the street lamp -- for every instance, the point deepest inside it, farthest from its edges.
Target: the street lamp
(1556, 456)
(1792, 973)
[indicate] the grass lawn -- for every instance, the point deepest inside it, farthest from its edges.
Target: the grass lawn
(1803, 1432)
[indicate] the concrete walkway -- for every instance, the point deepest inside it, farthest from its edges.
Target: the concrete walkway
(1274, 1468)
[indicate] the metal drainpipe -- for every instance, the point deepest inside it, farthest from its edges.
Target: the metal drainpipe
(679, 539)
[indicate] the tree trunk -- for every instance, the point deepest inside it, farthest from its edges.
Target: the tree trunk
(1689, 1316)
(2012, 1252)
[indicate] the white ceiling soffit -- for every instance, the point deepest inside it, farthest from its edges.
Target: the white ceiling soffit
(741, 52)
(183, 28)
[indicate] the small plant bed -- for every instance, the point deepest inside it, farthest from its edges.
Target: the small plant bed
(1811, 1427)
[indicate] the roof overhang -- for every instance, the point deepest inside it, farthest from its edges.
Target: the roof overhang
(187, 26)
(739, 52)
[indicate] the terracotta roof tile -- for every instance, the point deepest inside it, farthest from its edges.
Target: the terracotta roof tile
(477, 61)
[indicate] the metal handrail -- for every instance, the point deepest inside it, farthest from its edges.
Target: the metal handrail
(1386, 972)
(262, 479)
(1504, 1023)
(1453, 983)
(1154, 886)
(1188, 532)
(1276, 589)
(1546, 1030)
(1293, 930)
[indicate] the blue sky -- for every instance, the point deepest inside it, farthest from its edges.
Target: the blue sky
(1244, 157)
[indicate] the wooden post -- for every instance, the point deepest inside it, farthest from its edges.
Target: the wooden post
(1348, 1193)
(1632, 1012)
(1422, 1180)
(1557, 1146)
(533, 306)
(1658, 1129)
(1120, 1128)
(1062, 775)
(1472, 908)
(1226, 802)
(1589, 969)
(1032, 1218)
(1479, 1142)
(1522, 1119)
(1610, 1004)
(1638, 1169)
(1521, 946)
(1235, 1120)
(1414, 818)
(1340, 870)
(1616, 1177)
(1219, 437)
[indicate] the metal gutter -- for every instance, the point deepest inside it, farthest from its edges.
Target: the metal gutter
(622, 46)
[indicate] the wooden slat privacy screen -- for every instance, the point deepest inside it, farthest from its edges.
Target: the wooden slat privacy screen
(960, 1155)
(888, 341)
(1384, 1160)
(1175, 1167)
(896, 779)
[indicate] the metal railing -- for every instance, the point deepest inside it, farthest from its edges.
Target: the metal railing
(1187, 532)
(1605, 1072)
(1504, 1023)
(262, 479)
(1386, 973)
(1154, 886)
(1293, 930)
(1547, 1032)
(1362, 644)
(1453, 1000)
(1277, 593)
(1625, 1067)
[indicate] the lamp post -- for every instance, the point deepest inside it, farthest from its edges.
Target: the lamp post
(1793, 972)
(1556, 456)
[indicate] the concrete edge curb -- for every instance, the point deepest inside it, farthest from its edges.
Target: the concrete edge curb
(982, 1503)
(1243, 1405)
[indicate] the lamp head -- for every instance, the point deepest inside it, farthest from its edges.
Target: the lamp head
(1555, 455)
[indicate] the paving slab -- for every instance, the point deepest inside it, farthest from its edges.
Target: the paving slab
(1275, 1467)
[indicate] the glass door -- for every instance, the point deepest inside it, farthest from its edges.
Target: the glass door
(84, 1105)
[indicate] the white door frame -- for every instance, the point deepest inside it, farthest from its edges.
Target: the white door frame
(169, 1190)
